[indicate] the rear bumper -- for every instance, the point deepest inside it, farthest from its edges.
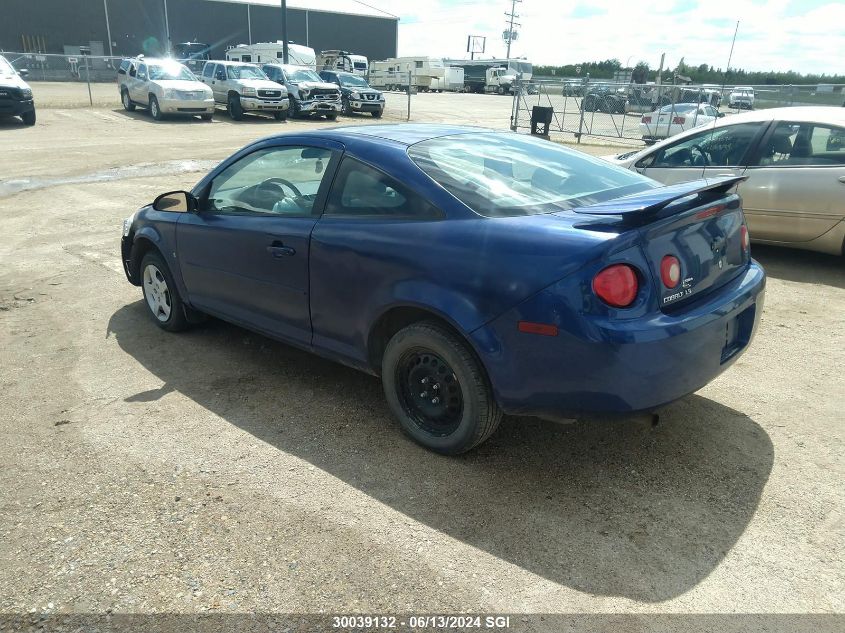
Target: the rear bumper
(613, 365)
(16, 108)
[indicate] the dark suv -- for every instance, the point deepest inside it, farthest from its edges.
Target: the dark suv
(15, 94)
(355, 92)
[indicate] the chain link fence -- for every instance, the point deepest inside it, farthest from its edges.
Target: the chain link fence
(633, 113)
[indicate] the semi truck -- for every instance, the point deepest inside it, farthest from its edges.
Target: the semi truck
(492, 75)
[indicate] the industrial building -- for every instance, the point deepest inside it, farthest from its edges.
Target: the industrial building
(130, 27)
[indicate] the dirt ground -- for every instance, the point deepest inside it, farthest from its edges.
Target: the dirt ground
(218, 470)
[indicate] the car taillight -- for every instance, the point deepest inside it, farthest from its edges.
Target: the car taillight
(670, 271)
(679, 120)
(746, 239)
(616, 285)
(646, 119)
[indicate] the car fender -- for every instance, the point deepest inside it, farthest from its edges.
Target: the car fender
(162, 236)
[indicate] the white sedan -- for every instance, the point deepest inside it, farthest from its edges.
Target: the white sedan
(676, 118)
(794, 159)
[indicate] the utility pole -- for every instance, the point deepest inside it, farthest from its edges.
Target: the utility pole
(510, 35)
(284, 31)
(108, 27)
(167, 27)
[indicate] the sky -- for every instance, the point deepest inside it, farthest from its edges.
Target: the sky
(807, 36)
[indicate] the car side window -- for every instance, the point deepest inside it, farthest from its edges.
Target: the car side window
(220, 73)
(714, 147)
(276, 180)
(362, 191)
(208, 71)
(803, 144)
(142, 71)
(132, 70)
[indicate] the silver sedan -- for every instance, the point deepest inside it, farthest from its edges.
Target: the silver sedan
(795, 162)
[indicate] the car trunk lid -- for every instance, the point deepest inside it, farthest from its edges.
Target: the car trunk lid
(699, 223)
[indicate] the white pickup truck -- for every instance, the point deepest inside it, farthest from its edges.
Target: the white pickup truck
(244, 88)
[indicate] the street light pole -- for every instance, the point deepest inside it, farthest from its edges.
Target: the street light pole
(167, 26)
(108, 26)
(285, 31)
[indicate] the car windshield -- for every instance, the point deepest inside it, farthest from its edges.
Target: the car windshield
(503, 175)
(245, 72)
(679, 108)
(171, 71)
(303, 75)
(353, 81)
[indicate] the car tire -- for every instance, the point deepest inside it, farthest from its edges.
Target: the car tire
(347, 109)
(164, 305)
(155, 109)
(28, 118)
(428, 357)
(294, 108)
(233, 107)
(377, 114)
(281, 115)
(206, 117)
(331, 116)
(127, 102)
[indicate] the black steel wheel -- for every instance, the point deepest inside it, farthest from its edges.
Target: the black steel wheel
(437, 389)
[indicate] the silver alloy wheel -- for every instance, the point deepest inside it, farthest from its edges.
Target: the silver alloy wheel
(125, 100)
(154, 108)
(157, 293)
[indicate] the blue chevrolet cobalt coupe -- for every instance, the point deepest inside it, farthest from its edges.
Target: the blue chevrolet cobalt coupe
(477, 272)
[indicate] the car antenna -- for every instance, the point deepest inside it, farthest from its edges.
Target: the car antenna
(724, 82)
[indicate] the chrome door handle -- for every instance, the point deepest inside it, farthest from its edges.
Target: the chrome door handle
(279, 250)
(842, 179)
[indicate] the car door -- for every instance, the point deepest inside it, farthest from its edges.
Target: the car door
(244, 255)
(712, 152)
(364, 249)
(796, 182)
(218, 84)
(139, 86)
(208, 75)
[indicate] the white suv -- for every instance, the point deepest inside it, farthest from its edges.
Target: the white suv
(742, 97)
(164, 87)
(245, 88)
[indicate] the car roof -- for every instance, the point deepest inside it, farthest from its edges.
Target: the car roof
(230, 62)
(399, 133)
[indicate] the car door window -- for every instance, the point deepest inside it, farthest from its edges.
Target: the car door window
(220, 73)
(142, 72)
(208, 71)
(803, 144)
(277, 180)
(718, 147)
(362, 191)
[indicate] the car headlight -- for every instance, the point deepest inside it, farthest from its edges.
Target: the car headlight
(381, 97)
(248, 92)
(304, 93)
(127, 225)
(26, 93)
(355, 94)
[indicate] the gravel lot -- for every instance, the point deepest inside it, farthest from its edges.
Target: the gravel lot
(222, 471)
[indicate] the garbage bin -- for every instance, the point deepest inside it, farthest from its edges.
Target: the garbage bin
(541, 119)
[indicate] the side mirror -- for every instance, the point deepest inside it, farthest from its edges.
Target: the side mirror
(720, 115)
(23, 72)
(645, 162)
(175, 202)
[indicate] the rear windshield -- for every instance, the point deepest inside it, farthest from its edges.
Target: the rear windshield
(504, 175)
(680, 108)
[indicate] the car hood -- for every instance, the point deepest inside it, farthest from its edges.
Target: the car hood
(12, 81)
(260, 84)
(311, 85)
(181, 84)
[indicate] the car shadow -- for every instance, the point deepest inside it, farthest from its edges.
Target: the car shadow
(140, 114)
(613, 508)
(792, 264)
(11, 122)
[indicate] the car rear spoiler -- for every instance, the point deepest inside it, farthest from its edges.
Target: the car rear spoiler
(645, 206)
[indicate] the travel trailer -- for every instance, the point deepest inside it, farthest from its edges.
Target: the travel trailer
(392, 74)
(266, 52)
(343, 61)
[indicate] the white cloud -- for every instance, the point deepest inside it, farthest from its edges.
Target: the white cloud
(801, 35)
